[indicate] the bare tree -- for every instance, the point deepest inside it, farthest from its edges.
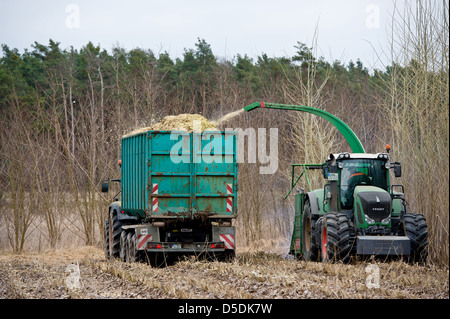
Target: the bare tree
(416, 108)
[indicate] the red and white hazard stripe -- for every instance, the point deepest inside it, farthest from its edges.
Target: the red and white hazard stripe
(142, 241)
(228, 240)
(155, 199)
(229, 199)
(229, 204)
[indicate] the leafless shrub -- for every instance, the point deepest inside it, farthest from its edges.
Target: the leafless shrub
(416, 108)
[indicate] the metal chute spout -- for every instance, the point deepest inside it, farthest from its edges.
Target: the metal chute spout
(252, 106)
(349, 135)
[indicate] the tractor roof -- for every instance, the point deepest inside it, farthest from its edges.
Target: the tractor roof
(358, 156)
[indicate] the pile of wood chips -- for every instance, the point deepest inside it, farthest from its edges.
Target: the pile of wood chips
(181, 122)
(184, 122)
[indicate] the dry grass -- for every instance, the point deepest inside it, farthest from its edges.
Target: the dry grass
(250, 275)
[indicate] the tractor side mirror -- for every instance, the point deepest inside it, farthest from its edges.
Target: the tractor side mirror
(398, 170)
(105, 187)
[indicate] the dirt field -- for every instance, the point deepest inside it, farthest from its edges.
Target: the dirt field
(84, 273)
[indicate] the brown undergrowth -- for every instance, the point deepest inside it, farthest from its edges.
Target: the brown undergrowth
(253, 274)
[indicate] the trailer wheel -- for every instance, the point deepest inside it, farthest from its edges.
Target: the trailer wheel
(131, 254)
(310, 247)
(123, 246)
(414, 226)
(336, 243)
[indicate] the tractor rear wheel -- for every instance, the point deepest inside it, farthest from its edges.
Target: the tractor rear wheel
(310, 247)
(114, 231)
(106, 233)
(414, 226)
(336, 240)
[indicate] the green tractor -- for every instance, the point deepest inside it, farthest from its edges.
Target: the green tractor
(359, 211)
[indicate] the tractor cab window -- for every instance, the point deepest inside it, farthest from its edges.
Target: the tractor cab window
(360, 172)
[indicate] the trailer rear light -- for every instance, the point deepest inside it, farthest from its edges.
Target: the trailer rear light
(122, 212)
(154, 246)
(213, 246)
(220, 245)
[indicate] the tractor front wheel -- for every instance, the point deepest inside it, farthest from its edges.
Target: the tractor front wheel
(414, 226)
(336, 243)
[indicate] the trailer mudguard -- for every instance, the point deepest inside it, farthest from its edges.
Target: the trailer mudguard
(116, 206)
(145, 233)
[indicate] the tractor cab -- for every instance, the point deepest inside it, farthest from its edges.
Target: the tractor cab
(360, 170)
(362, 189)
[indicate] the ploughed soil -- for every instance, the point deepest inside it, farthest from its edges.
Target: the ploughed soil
(85, 273)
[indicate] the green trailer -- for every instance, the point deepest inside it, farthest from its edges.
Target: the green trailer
(178, 196)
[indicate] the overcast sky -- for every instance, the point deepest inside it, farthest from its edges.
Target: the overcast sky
(347, 29)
